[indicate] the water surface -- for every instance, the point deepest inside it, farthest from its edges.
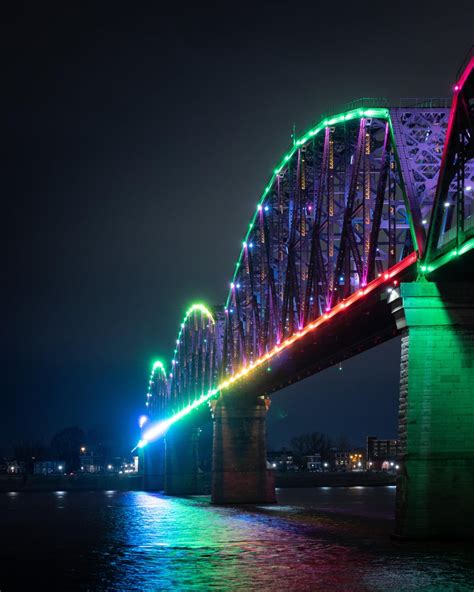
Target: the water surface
(313, 539)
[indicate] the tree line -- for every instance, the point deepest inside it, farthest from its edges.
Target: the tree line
(317, 443)
(64, 446)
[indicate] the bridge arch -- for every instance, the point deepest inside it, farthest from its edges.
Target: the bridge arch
(194, 366)
(333, 217)
(157, 394)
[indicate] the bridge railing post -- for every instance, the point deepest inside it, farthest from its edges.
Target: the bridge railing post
(436, 416)
(239, 464)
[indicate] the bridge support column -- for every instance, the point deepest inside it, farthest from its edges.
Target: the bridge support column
(153, 459)
(436, 416)
(239, 464)
(181, 460)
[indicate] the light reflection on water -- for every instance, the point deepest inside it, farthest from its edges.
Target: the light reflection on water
(314, 539)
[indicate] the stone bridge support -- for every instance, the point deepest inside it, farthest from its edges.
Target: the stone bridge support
(181, 460)
(435, 491)
(239, 464)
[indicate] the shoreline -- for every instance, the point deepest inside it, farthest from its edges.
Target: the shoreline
(101, 482)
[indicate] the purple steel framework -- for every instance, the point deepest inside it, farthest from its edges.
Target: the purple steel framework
(348, 206)
(195, 365)
(345, 208)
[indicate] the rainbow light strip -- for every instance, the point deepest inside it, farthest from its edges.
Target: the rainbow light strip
(158, 430)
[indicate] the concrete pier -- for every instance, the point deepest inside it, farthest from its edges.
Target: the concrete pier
(181, 460)
(239, 472)
(436, 417)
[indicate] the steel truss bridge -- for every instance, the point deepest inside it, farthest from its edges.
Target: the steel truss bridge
(368, 198)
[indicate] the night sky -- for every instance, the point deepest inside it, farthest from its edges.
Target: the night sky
(137, 146)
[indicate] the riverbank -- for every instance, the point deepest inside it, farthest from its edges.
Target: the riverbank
(365, 479)
(81, 482)
(134, 482)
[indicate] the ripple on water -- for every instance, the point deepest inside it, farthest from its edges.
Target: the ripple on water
(314, 540)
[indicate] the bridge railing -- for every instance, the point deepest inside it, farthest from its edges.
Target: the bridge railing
(425, 103)
(363, 103)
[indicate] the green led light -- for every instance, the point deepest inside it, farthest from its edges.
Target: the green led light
(196, 307)
(447, 257)
(158, 364)
(467, 246)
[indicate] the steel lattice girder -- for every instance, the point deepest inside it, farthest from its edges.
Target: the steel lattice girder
(349, 201)
(157, 393)
(195, 364)
(334, 217)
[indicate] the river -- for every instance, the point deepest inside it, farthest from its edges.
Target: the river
(313, 539)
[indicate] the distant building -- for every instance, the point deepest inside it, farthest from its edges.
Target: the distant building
(341, 460)
(348, 460)
(49, 467)
(129, 465)
(15, 468)
(381, 454)
(356, 461)
(313, 462)
(281, 460)
(90, 461)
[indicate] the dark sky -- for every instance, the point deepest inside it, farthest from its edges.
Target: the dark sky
(137, 144)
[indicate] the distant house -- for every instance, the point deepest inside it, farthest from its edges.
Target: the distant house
(312, 462)
(91, 461)
(49, 467)
(281, 460)
(15, 467)
(349, 460)
(341, 460)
